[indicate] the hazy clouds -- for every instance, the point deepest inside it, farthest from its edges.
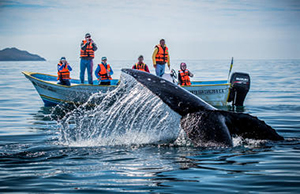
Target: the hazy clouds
(125, 29)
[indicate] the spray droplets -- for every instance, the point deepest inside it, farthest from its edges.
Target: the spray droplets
(130, 114)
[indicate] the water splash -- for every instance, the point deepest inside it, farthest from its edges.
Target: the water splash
(130, 114)
(248, 143)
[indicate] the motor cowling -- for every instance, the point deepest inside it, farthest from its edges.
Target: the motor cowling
(240, 86)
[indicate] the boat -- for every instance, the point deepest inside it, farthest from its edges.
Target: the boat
(53, 93)
(215, 93)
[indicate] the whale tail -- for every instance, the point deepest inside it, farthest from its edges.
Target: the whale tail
(206, 129)
(215, 128)
(204, 124)
(248, 126)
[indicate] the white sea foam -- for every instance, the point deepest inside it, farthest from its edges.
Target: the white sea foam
(249, 143)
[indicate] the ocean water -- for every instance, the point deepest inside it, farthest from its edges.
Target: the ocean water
(121, 145)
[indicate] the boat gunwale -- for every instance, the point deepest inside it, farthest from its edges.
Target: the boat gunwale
(27, 73)
(227, 84)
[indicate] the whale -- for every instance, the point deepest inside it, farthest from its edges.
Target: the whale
(204, 124)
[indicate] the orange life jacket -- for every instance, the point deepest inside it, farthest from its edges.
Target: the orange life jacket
(64, 73)
(103, 72)
(88, 52)
(140, 67)
(162, 55)
(185, 79)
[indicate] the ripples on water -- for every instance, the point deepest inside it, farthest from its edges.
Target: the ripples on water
(35, 157)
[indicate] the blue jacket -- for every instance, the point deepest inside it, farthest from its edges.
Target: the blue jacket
(62, 66)
(99, 69)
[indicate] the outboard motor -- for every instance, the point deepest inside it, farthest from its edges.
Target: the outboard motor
(240, 85)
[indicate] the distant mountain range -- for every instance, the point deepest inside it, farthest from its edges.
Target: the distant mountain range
(14, 54)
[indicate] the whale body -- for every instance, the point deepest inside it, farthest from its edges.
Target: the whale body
(204, 124)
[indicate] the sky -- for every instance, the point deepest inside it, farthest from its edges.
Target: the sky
(124, 29)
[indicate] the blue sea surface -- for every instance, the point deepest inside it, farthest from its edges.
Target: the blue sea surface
(35, 159)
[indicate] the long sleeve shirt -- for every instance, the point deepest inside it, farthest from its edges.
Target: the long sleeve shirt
(179, 77)
(59, 68)
(83, 46)
(98, 69)
(154, 57)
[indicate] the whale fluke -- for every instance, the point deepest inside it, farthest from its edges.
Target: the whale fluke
(206, 128)
(203, 123)
(216, 128)
(248, 126)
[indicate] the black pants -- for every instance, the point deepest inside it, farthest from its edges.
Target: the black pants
(105, 83)
(65, 82)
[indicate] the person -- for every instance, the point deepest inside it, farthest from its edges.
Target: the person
(140, 65)
(104, 72)
(63, 72)
(160, 57)
(184, 75)
(88, 47)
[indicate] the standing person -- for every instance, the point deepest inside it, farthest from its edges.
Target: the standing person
(160, 57)
(104, 72)
(184, 75)
(140, 65)
(63, 72)
(88, 47)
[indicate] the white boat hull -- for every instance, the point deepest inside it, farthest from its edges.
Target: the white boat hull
(214, 92)
(53, 93)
